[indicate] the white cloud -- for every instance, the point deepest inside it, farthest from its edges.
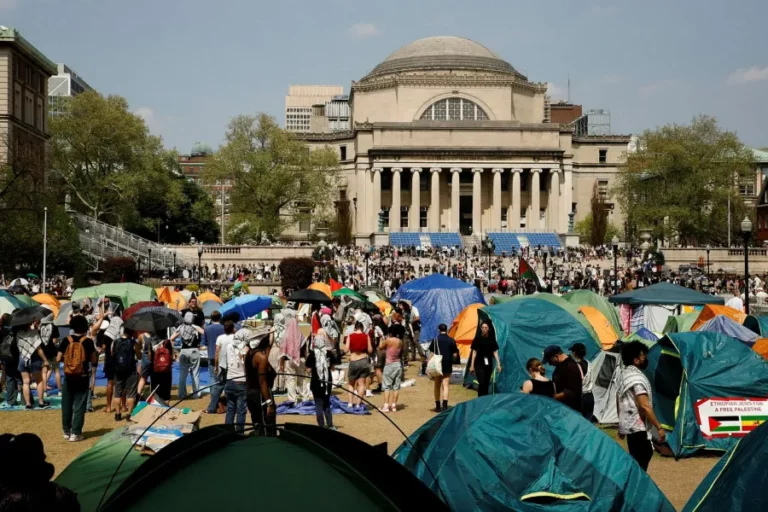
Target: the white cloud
(746, 75)
(556, 92)
(364, 30)
(654, 87)
(148, 115)
(7, 4)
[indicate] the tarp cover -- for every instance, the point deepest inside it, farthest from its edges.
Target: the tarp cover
(589, 298)
(716, 366)
(680, 323)
(439, 300)
(128, 293)
(525, 453)
(665, 293)
(725, 325)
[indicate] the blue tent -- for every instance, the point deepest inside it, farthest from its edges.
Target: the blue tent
(727, 326)
(646, 334)
(439, 300)
(525, 453)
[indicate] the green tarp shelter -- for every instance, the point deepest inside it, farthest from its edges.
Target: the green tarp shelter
(680, 323)
(702, 385)
(665, 294)
(581, 298)
(526, 453)
(525, 326)
(128, 293)
(739, 480)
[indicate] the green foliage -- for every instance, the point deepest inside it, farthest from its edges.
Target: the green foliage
(296, 273)
(193, 288)
(599, 213)
(120, 269)
(584, 229)
(679, 181)
(276, 178)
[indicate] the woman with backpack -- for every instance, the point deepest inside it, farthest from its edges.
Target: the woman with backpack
(162, 357)
(126, 352)
(78, 353)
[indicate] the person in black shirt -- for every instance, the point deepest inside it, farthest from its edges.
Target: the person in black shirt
(199, 315)
(484, 350)
(75, 388)
(538, 384)
(13, 382)
(579, 354)
(567, 377)
(446, 347)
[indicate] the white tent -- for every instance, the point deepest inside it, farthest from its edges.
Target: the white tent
(604, 376)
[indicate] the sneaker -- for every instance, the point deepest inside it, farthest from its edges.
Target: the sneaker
(385, 408)
(66, 436)
(332, 428)
(368, 393)
(350, 405)
(44, 405)
(118, 416)
(393, 408)
(29, 407)
(74, 438)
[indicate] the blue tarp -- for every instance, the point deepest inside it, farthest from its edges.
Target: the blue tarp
(308, 407)
(646, 334)
(727, 326)
(439, 300)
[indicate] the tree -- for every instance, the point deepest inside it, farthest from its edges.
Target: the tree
(584, 230)
(599, 214)
(276, 178)
(296, 273)
(681, 180)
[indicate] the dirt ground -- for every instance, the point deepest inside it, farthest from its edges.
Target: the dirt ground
(677, 480)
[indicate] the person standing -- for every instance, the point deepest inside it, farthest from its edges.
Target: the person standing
(320, 364)
(50, 335)
(291, 363)
(10, 362)
(234, 389)
(393, 371)
(446, 347)
(147, 341)
(126, 351)
(199, 316)
(78, 353)
(189, 356)
(358, 345)
(567, 377)
(484, 350)
(162, 357)
(259, 379)
(32, 361)
(538, 384)
(635, 405)
(579, 354)
(211, 333)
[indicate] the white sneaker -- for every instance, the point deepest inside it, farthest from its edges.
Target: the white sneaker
(73, 438)
(67, 436)
(368, 393)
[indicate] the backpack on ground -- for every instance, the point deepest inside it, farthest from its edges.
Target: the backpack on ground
(123, 355)
(162, 360)
(74, 357)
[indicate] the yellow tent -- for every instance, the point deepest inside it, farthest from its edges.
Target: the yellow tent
(176, 301)
(464, 328)
(321, 287)
(47, 299)
(761, 347)
(384, 306)
(206, 296)
(163, 294)
(710, 311)
(601, 325)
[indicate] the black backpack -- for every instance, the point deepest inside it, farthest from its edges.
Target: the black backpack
(6, 351)
(123, 355)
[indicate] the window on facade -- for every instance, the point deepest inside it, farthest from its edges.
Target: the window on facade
(18, 101)
(424, 182)
(454, 109)
(603, 156)
(343, 152)
(29, 108)
(602, 190)
(405, 181)
(423, 216)
(403, 216)
(305, 224)
(39, 115)
(747, 189)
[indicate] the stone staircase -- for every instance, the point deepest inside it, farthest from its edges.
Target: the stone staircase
(470, 241)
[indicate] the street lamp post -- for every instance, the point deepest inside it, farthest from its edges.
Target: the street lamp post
(149, 262)
(367, 257)
(489, 246)
(709, 248)
(199, 266)
(746, 231)
(615, 242)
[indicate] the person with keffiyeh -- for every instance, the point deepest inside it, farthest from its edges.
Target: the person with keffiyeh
(291, 362)
(320, 363)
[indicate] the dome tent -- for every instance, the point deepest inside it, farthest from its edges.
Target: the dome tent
(582, 298)
(525, 453)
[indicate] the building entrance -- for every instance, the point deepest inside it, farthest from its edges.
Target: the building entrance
(465, 215)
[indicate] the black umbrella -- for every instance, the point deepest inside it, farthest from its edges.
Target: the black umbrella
(29, 315)
(152, 321)
(309, 297)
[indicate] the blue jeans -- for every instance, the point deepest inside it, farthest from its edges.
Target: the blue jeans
(217, 388)
(235, 393)
(189, 362)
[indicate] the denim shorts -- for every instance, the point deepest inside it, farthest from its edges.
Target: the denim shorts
(34, 365)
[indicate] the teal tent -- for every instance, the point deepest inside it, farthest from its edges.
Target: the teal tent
(681, 323)
(581, 298)
(524, 327)
(525, 453)
(665, 294)
(707, 387)
(729, 327)
(738, 481)
(127, 294)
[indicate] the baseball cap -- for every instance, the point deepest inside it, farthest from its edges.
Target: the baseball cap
(550, 352)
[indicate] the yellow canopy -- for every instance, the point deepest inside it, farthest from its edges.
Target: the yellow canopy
(601, 325)
(47, 299)
(464, 328)
(384, 306)
(206, 296)
(710, 311)
(163, 294)
(321, 287)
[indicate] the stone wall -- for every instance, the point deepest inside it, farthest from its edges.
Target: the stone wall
(732, 260)
(240, 255)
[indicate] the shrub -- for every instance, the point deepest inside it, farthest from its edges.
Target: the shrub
(296, 273)
(120, 269)
(192, 288)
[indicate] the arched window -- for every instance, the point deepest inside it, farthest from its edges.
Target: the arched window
(454, 109)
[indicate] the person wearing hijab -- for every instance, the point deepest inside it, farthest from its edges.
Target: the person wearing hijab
(320, 364)
(291, 363)
(189, 356)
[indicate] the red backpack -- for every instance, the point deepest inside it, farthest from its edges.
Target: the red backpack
(163, 360)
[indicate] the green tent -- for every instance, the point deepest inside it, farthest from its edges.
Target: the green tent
(304, 468)
(738, 481)
(90, 473)
(523, 327)
(581, 298)
(127, 293)
(665, 294)
(497, 298)
(526, 453)
(26, 300)
(707, 390)
(350, 293)
(680, 323)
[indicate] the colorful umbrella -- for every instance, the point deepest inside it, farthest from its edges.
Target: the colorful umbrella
(350, 293)
(321, 287)
(128, 313)
(26, 300)
(10, 304)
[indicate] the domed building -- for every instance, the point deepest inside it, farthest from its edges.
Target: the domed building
(448, 137)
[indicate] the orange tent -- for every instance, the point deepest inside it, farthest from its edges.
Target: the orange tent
(601, 325)
(711, 311)
(47, 299)
(464, 328)
(384, 306)
(206, 296)
(321, 287)
(761, 347)
(176, 301)
(163, 294)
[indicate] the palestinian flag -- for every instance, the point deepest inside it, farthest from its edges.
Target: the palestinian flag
(526, 272)
(750, 423)
(335, 285)
(723, 424)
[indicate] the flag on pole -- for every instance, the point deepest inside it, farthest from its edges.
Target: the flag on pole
(335, 285)
(156, 400)
(526, 272)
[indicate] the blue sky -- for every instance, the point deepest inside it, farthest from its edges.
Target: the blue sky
(188, 66)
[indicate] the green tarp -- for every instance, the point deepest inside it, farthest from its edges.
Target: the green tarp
(665, 294)
(689, 372)
(128, 293)
(681, 323)
(349, 293)
(526, 453)
(26, 300)
(581, 298)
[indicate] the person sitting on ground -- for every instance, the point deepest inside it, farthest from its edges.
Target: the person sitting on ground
(358, 346)
(447, 348)
(320, 364)
(538, 384)
(393, 372)
(78, 353)
(126, 352)
(567, 377)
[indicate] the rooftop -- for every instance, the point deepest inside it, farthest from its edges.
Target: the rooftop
(13, 36)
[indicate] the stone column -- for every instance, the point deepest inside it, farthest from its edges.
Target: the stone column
(496, 206)
(477, 210)
(394, 223)
(534, 222)
(567, 196)
(434, 203)
(376, 203)
(415, 212)
(455, 195)
(554, 200)
(513, 215)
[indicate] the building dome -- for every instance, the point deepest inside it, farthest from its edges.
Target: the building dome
(200, 149)
(444, 53)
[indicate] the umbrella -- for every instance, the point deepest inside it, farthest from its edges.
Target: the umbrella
(19, 281)
(206, 296)
(152, 319)
(321, 287)
(128, 313)
(309, 296)
(384, 306)
(10, 304)
(350, 293)
(32, 276)
(47, 299)
(26, 300)
(247, 305)
(29, 315)
(63, 316)
(209, 307)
